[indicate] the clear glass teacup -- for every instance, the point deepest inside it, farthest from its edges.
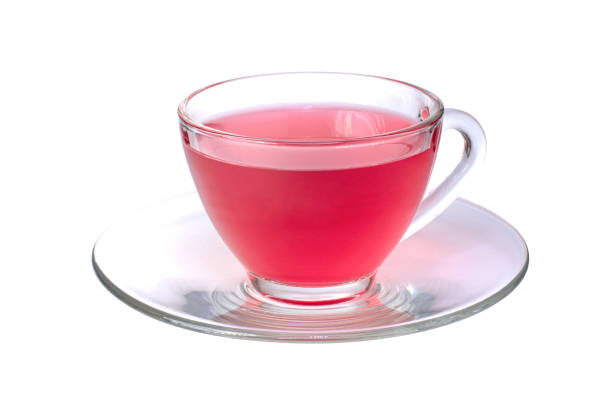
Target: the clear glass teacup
(312, 178)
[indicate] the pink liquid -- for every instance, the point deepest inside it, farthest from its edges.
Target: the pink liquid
(311, 227)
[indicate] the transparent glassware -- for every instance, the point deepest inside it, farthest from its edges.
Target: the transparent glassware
(332, 156)
(168, 262)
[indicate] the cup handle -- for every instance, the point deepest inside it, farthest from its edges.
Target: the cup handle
(473, 153)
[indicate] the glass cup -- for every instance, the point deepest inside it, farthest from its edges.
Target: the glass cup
(313, 178)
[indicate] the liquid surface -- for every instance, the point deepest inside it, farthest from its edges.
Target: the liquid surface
(309, 122)
(311, 227)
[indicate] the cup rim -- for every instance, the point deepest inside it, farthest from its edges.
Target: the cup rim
(431, 120)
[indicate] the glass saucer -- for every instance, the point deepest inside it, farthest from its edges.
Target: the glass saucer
(168, 262)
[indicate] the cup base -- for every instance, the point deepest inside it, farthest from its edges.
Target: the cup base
(311, 295)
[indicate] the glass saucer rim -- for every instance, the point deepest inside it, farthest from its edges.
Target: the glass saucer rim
(347, 335)
(428, 322)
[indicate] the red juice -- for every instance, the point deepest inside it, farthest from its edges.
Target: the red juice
(318, 226)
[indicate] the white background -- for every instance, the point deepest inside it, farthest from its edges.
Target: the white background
(88, 93)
